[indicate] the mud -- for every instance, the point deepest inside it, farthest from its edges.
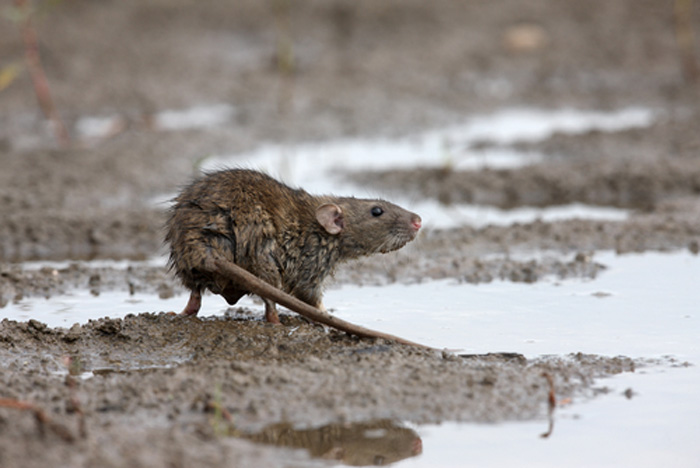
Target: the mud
(161, 377)
(159, 390)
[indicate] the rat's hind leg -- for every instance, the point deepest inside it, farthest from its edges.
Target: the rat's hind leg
(265, 271)
(193, 304)
(271, 312)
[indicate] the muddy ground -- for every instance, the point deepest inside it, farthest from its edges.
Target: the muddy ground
(169, 391)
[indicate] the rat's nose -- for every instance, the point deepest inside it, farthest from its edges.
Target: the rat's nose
(416, 222)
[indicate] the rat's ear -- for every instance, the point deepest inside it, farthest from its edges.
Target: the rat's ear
(331, 217)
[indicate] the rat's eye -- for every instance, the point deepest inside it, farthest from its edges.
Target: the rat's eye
(377, 211)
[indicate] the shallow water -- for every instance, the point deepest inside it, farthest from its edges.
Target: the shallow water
(452, 145)
(439, 216)
(657, 427)
(642, 306)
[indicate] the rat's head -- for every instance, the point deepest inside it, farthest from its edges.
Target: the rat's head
(364, 227)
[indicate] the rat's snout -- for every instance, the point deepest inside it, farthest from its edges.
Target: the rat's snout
(416, 222)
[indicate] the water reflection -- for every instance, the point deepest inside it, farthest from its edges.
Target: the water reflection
(378, 442)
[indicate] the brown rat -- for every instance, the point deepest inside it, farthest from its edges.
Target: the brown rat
(285, 236)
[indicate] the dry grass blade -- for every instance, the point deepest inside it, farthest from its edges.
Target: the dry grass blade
(552, 404)
(36, 71)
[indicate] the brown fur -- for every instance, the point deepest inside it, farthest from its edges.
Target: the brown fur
(276, 233)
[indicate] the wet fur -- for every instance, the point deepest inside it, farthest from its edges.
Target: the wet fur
(272, 231)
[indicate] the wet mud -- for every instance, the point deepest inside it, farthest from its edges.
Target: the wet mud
(211, 380)
(154, 389)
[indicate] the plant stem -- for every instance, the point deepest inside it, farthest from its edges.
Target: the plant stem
(38, 76)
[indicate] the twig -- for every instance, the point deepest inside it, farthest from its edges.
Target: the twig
(552, 405)
(257, 286)
(41, 417)
(37, 74)
(73, 366)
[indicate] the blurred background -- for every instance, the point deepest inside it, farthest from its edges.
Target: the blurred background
(107, 104)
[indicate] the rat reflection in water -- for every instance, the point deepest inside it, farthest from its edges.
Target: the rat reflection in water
(378, 442)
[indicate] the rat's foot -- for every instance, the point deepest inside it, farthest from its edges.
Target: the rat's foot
(271, 312)
(193, 304)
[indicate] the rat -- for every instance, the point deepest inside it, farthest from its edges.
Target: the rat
(285, 236)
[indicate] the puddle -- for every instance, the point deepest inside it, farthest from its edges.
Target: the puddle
(194, 117)
(98, 127)
(438, 216)
(435, 148)
(158, 261)
(643, 305)
(198, 117)
(657, 426)
(81, 305)
(319, 167)
(374, 443)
